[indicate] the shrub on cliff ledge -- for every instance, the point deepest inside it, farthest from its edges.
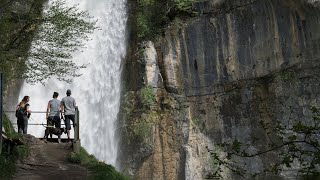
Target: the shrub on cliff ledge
(184, 5)
(147, 97)
(154, 15)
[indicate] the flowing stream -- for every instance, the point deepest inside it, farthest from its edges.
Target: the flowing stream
(97, 91)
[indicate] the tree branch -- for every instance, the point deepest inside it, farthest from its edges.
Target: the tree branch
(272, 149)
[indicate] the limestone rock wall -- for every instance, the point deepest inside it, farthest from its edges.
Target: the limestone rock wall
(217, 75)
(239, 41)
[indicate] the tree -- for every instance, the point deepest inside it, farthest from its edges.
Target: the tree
(62, 31)
(296, 143)
(56, 33)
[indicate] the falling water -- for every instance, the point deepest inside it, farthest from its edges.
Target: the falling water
(97, 91)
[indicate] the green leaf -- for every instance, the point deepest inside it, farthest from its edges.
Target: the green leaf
(292, 138)
(236, 145)
(287, 160)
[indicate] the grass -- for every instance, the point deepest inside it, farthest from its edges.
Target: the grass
(99, 170)
(8, 159)
(7, 165)
(10, 132)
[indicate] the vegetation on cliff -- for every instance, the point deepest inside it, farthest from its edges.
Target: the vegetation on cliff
(139, 107)
(152, 16)
(8, 159)
(100, 170)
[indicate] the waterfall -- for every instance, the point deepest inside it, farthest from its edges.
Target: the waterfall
(97, 91)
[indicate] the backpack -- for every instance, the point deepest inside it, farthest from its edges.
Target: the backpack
(20, 112)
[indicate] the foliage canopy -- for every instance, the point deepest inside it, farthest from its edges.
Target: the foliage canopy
(62, 31)
(38, 44)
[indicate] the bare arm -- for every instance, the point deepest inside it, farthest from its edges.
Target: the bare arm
(61, 110)
(61, 107)
(48, 109)
(28, 109)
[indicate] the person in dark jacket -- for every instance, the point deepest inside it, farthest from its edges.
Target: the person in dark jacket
(23, 113)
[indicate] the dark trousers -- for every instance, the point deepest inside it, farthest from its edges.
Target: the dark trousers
(54, 121)
(22, 125)
(67, 120)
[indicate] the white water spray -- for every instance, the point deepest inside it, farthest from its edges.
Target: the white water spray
(97, 91)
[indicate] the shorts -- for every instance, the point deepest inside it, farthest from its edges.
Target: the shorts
(67, 119)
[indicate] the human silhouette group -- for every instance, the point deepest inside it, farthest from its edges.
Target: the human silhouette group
(56, 111)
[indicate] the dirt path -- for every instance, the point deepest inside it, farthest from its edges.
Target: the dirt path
(48, 161)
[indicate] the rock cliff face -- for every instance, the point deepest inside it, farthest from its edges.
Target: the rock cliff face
(216, 76)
